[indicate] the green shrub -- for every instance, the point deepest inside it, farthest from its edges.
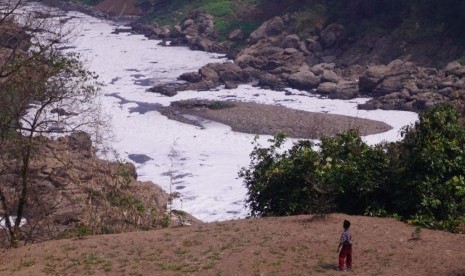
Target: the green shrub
(420, 179)
(219, 8)
(431, 166)
(282, 184)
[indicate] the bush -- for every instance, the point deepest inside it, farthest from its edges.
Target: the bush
(219, 8)
(431, 166)
(421, 179)
(357, 170)
(287, 183)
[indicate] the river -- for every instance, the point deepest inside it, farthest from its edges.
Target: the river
(201, 164)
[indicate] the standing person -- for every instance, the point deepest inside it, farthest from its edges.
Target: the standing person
(346, 243)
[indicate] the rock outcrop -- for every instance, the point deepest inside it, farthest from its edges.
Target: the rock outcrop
(72, 193)
(404, 85)
(328, 62)
(196, 30)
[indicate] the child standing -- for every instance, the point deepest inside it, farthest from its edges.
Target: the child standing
(346, 243)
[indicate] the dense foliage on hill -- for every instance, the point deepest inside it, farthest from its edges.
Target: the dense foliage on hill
(421, 178)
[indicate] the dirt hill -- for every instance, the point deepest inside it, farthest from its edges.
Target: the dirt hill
(303, 245)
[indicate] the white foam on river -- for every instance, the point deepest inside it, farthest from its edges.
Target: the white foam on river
(203, 162)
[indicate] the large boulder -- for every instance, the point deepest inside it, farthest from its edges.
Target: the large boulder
(270, 81)
(318, 69)
(236, 35)
(454, 68)
(290, 41)
(229, 71)
(332, 35)
(191, 77)
(164, 89)
(371, 78)
(303, 80)
(313, 45)
(209, 74)
(341, 90)
(271, 27)
(329, 76)
(382, 80)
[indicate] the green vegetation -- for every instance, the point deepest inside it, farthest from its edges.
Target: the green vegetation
(229, 15)
(420, 179)
(218, 8)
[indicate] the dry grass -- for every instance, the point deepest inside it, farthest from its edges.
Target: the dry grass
(303, 245)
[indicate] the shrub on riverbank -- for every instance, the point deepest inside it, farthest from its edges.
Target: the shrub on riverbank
(421, 179)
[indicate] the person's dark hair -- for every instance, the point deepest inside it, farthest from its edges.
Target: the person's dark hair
(346, 224)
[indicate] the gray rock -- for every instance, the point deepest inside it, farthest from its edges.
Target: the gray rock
(230, 85)
(329, 76)
(188, 23)
(318, 69)
(232, 72)
(163, 90)
(313, 45)
(341, 90)
(271, 27)
(371, 78)
(191, 77)
(208, 74)
(236, 35)
(269, 80)
(290, 51)
(303, 80)
(455, 68)
(326, 88)
(332, 35)
(302, 47)
(290, 41)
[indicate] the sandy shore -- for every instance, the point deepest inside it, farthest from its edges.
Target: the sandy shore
(267, 119)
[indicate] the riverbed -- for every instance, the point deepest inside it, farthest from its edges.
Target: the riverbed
(199, 163)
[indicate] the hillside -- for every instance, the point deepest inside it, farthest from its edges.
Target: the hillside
(303, 245)
(81, 195)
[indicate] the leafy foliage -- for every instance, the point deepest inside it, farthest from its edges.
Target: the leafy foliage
(432, 157)
(421, 179)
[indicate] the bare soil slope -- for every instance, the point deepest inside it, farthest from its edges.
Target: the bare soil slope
(303, 245)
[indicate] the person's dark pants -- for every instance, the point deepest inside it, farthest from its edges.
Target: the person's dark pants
(346, 253)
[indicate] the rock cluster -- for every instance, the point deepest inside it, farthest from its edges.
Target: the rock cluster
(196, 31)
(406, 86)
(328, 63)
(71, 192)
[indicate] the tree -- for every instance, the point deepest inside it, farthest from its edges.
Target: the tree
(286, 183)
(42, 91)
(357, 170)
(421, 179)
(430, 178)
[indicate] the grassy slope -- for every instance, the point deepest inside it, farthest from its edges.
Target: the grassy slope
(303, 245)
(229, 14)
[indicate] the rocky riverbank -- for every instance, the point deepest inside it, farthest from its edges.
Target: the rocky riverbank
(74, 193)
(328, 63)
